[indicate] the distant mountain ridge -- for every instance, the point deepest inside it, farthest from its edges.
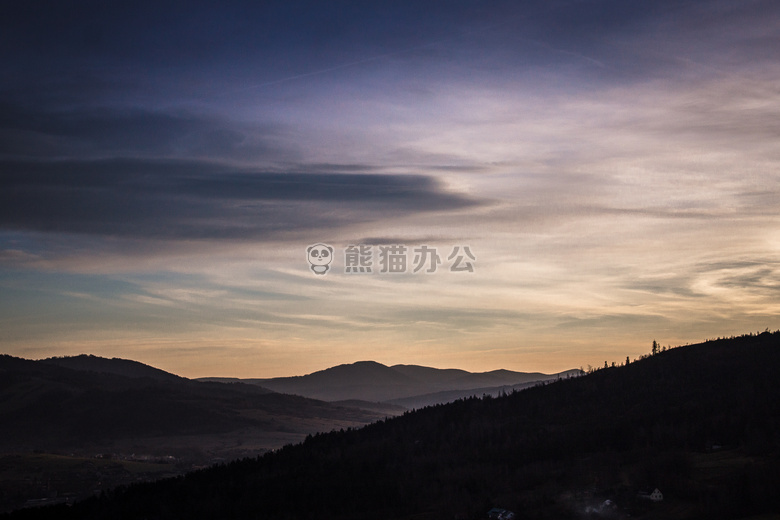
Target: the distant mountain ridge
(372, 381)
(70, 402)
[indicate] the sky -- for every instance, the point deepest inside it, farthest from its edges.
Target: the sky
(591, 175)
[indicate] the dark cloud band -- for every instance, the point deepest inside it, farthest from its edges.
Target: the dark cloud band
(192, 200)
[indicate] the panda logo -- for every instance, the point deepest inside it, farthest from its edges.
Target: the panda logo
(319, 256)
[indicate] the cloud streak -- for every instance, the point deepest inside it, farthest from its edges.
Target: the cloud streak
(185, 200)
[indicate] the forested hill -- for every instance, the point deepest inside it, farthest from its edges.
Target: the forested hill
(701, 423)
(115, 366)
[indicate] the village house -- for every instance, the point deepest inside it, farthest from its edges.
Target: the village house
(655, 496)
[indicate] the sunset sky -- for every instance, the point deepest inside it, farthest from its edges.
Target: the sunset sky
(612, 166)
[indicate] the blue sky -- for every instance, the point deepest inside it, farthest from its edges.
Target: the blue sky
(613, 167)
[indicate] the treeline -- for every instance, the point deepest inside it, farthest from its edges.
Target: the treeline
(544, 452)
(657, 348)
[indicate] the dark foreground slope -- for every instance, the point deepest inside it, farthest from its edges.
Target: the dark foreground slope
(700, 423)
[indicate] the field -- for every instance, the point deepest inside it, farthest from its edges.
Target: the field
(31, 479)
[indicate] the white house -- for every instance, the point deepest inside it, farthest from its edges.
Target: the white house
(655, 496)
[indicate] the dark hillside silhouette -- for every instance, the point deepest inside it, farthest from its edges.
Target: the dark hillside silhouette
(116, 366)
(65, 403)
(701, 423)
(57, 414)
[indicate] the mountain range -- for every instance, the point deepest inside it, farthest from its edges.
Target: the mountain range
(690, 432)
(76, 402)
(71, 403)
(75, 407)
(410, 386)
